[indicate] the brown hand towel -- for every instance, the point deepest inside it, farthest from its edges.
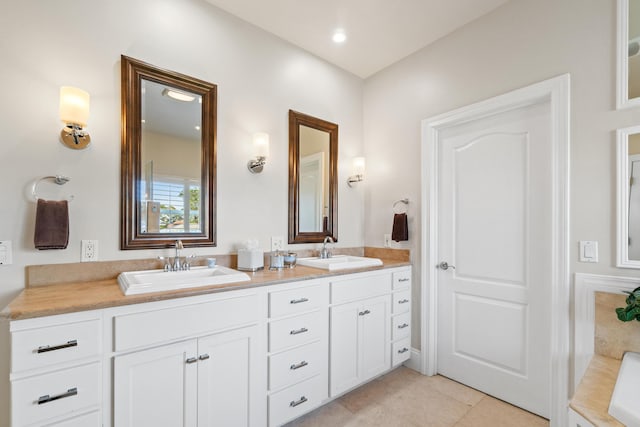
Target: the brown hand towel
(400, 228)
(52, 224)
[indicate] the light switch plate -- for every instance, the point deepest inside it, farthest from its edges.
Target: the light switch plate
(588, 251)
(6, 253)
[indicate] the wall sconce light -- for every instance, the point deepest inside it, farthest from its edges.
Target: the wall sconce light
(260, 150)
(74, 113)
(358, 171)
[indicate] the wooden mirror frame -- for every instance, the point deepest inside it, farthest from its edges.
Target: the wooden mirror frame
(132, 73)
(295, 235)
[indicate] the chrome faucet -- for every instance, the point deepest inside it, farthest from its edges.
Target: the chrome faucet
(177, 264)
(326, 253)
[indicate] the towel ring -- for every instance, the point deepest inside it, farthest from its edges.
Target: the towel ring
(58, 179)
(403, 209)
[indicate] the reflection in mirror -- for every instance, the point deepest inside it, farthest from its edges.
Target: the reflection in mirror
(629, 197)
(168, 164)
(628, 53)
(313, 148)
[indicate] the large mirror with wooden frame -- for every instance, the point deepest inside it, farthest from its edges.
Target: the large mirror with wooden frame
(168, 165)
(313, 176)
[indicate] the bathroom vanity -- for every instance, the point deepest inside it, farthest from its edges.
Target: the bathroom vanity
(262, 353)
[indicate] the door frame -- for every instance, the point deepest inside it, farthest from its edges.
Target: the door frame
(556, 91)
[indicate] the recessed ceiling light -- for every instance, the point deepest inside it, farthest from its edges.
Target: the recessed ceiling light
(177, 95)
(339, 36)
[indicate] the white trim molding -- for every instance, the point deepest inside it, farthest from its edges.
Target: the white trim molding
(585, 288)
(622, 194)
(622, 84)
(556, 91)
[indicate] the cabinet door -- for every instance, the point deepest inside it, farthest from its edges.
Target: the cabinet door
(228, 370)
(344, 347)
(156, 387)
(374, 337)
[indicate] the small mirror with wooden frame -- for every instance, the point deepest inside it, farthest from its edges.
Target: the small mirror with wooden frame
(168, 164)
(313, 179)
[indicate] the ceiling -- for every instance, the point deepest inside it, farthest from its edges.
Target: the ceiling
(379, 32)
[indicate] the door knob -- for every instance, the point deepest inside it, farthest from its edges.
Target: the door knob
(445, 265)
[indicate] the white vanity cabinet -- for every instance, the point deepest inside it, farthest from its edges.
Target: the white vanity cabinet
(298, 349)
(250, 357)
(56, 370)
(360, 329)
(215, 377)
(199, 382)
(401, 317)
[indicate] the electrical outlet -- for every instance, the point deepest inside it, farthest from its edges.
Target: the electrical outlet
(387, 240)
(277, 243)
(89, 251)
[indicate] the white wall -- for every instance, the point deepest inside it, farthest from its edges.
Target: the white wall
(44, 45)
(523, 42)
(259, 77)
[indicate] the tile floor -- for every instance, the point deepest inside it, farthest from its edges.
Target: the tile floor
(404, 398)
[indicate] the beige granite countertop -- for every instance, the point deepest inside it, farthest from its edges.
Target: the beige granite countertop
(60, 298)
(593, 394)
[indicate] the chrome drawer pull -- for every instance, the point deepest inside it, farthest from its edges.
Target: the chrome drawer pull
(46, 348)
(298, 331)
(363, 313)
(404, 325)
(203, 357)
(299, 365)
(404, 350)
(47, 398)
(293, 403)
(191, 360)
(298, 301)
(403, 301)
(403, 280)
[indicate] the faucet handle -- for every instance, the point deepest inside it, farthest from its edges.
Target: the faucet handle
(167, 266)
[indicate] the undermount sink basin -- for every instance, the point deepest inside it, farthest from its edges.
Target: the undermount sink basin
(624, 401)
(140, 282)
(340, 262)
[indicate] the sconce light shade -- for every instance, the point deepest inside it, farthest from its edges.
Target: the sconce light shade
(74, 113)
(261, 152)
(358, 171)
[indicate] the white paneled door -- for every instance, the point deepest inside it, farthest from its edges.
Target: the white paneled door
(495, 236)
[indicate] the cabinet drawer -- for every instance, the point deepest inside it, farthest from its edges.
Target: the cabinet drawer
(294, 401)
(296, 330)
(401, 351)
(402, 301)
(298, 300)
(401, 326)
(39, 347)
(298, 364)
(92, 419)
(143, 329)
(55, 394)
(359, 288)
(401, 279)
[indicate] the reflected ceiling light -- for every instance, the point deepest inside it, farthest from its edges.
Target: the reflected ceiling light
(197, 127)
(339, 36)
(178, 95)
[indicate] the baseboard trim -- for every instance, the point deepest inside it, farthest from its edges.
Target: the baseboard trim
(415, 361)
